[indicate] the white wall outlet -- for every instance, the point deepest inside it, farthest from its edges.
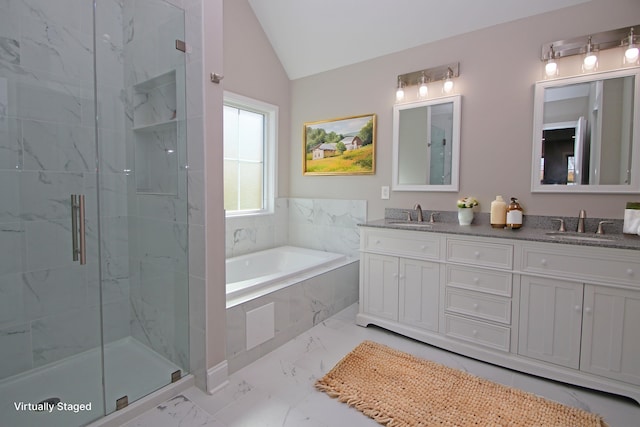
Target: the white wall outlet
(384, 192)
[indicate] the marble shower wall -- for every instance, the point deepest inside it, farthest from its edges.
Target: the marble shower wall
(323, 224)
(49, 306)
(155, 129)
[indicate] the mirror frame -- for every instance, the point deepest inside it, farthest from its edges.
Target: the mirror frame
(538, 127)
(455, 141)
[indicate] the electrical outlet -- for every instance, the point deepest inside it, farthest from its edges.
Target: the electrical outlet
(384, 192)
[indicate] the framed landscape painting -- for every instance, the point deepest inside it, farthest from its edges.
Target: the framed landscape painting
(344, 146)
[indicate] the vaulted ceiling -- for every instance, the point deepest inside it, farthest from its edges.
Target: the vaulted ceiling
(312, 36)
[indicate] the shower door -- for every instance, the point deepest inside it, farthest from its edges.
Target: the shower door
(50, 325)
(93, 211)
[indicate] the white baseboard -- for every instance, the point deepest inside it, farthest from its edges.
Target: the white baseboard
(217, 377)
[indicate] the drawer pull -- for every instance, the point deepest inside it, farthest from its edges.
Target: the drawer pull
(577, 308)
(423, 247)
(475, 306)
(543, 261)
(475, 332)
(629, 272)
(377, 242)
(587, 310)
(476, 280)
(476, 254)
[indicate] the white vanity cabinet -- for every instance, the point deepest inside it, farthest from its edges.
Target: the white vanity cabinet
(401, 283)
(562, 311)
(611, 333)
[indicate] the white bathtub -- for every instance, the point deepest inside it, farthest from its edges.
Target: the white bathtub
(252, 275)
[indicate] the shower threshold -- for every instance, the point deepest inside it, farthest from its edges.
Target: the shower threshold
(131, 369)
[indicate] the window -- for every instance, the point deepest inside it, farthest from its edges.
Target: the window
(249, 155)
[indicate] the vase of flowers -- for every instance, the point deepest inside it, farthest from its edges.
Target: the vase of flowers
(465, 210)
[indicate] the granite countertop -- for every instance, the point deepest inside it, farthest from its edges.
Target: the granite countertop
(544, 233)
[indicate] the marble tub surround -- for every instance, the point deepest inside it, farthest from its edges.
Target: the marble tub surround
(535, 228)
(306, 302)
(323, 224)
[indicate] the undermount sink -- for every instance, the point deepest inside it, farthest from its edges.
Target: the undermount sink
(408, 224)
(578, 237)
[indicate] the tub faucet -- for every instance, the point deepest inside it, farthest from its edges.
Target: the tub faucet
(418, 209)
(581, 217)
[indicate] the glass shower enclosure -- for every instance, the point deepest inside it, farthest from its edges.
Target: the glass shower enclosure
(93, 211)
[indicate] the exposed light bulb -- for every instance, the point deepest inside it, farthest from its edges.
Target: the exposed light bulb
(448, 85)
(631, 54)
(423, 91)
(551, 68)
(590, 62)
(399, 94)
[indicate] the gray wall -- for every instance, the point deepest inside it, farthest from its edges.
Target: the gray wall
(498, 67)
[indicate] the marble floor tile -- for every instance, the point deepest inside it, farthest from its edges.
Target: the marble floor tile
(277, 390)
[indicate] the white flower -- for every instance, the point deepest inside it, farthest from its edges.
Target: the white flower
(467, 202)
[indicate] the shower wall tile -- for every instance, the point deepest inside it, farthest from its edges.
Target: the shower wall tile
(51, 101)
(10, 138)
(10, 196)
(48, 244)
(65, 334)
(11, 300)
(15, 350)
(115, 322)
(46, 195)
(48, 292)
(10, 18)
(12, 248)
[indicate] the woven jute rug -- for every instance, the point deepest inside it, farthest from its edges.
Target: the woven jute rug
(397, 389)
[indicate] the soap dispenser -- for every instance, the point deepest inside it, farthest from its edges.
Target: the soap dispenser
(514, 214)
(498, 213)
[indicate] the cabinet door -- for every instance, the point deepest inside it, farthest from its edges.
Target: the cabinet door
(611, 333)
(380, 286)
(419, 293)
(550, 320)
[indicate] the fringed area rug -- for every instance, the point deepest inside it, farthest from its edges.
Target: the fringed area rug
(397, 389)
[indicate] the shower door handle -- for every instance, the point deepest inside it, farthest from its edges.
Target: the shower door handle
(78, 239)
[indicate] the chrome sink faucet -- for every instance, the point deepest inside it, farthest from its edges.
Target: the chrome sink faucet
(418, 210)
(581, 217)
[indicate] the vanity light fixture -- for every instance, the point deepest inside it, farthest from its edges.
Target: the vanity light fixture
(400, 90)
(422, 79)
(589, 46)
(632, 51)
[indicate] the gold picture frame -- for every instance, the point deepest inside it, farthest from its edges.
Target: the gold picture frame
(342, 146)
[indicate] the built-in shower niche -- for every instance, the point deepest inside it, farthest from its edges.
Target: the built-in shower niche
(155, 129)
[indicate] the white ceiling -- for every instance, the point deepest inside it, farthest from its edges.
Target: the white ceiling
(312, 36)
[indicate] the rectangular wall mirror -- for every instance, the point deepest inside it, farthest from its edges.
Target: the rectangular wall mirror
(426, 145)
(585, 134)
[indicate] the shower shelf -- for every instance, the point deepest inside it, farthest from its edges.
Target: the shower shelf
(155, 132)
(156, 127)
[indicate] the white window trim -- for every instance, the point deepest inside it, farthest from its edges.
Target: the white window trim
(270, 112)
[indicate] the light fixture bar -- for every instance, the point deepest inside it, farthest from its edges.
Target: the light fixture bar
(432, 74)
(577, 45)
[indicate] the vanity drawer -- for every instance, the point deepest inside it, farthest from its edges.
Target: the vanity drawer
(588, 264)
(410, 244)
(478, 305)
(493, 282)
(493, 336)
(480, 253)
